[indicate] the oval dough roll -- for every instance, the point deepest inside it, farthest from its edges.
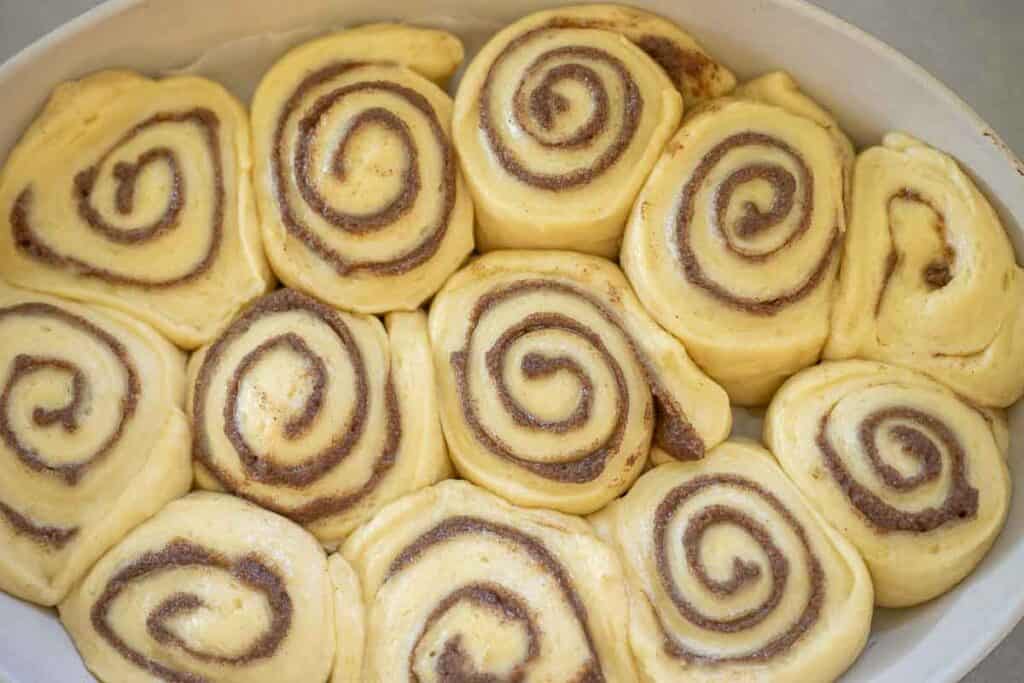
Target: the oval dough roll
(552, 378)
(462, 586)
(929, 279)
(733, 576)
(319, 415)
(216, 589)
(734, 242)
(914, 475)
(362, 201)
(561, 115)
(93, 439)
(137, 194)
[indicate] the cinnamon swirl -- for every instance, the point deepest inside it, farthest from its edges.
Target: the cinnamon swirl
(912, 473)
(136, 194)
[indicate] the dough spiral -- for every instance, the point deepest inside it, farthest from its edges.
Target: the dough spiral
(734, 242)
(552, 376)
(733, 576)
(460, 585)
(137, 194)
(216, 589)
(914, 475)
(929, 279)
(558, 120)
(319, 415)
(362, 200)
(93, 439)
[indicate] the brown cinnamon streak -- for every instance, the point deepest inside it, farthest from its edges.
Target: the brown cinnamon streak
(743, 572)
(250, 570)
(263, 467)
(753, 222)
(392, 210)
(29, 242)
(453, 660)
(674, 432)
(539, 108)
(917, 433)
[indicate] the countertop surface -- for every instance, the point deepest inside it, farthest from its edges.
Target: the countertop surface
(974, 46)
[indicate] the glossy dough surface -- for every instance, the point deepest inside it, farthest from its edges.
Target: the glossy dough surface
(562, 114)
(552, 377)
(460, 585)
(362, 200)
(929, 277)
(93, 439)
(214, 589)
(912, 474)
(734, 242)
(733, 576)
(320, 415)
(137, 194)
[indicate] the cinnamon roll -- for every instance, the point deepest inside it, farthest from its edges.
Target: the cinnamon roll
(136, 194)
(461, 586)
(733, 576)
(559, 119)
(93, 439)
(216, 589)
(929, 278)
(734, 243)
(553, 380)
(912, 473)
(362, 201)
(319, 415)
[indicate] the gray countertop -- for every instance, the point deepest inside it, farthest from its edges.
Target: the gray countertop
(974, 46)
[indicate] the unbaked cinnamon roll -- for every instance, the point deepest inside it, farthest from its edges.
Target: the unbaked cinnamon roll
(560, 117)
(319, 415)
(734, 243)
(910, 472)
(93, 439)
(929, 278)
(362, 201)
(461, 586)
(733, 576)
(216, 589)
(552, 379)
(136, 194)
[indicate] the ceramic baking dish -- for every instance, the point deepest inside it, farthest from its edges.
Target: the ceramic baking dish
(870, 87)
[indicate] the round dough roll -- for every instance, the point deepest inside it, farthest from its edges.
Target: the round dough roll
(216, 589)
(914, 475)
(462, 586)
(929, 280)
(319, 415)
(734, 242)
(93, 439)
(362, 201)
(559, 119)
(733, 576)
(137, 194)
(552, 378)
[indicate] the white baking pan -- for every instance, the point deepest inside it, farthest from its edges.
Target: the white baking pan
(870, 87)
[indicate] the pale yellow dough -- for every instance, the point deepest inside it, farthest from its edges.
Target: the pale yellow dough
(56, 517)
(455, 579)
(396, 447)
(915, 212)
(103, 153)
(332, 235)
(751, 304)
(582, 364)
(713, 504)
(820, 425)
(555, 172)
(214, 588)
